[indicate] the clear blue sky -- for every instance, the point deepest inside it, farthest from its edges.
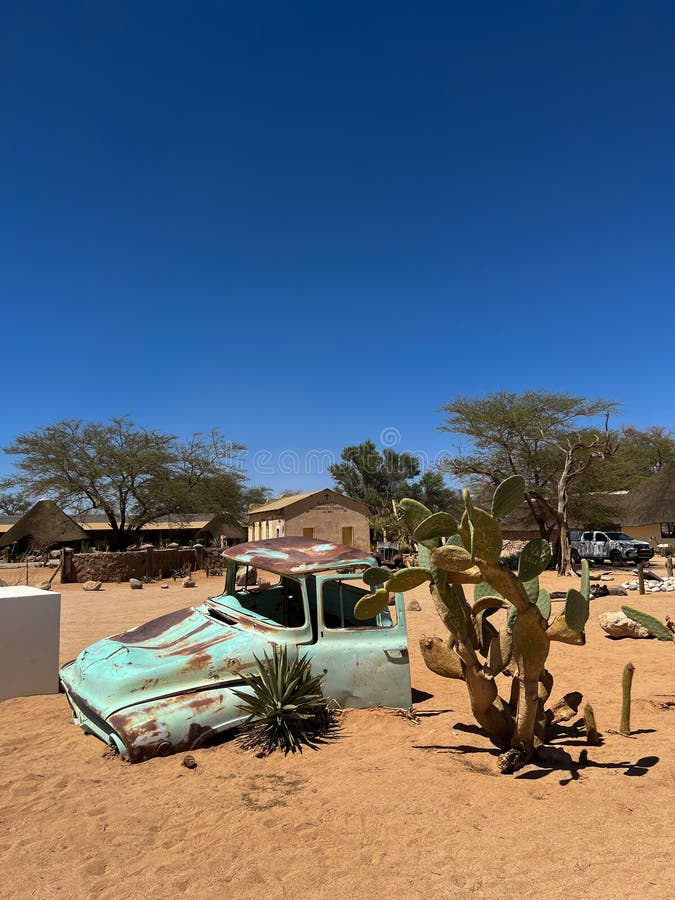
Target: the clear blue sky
(308, 222)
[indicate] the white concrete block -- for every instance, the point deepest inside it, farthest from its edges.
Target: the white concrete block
(30, 620)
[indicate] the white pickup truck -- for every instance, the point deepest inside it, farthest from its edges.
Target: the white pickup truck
(616, 546)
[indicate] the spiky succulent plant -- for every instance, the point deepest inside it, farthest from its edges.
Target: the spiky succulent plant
(287, 710)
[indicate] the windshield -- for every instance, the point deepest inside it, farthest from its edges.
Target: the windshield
(618, 536)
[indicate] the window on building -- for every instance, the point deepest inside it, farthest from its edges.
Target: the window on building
(668, 529)
(348, 535)
(308, 532)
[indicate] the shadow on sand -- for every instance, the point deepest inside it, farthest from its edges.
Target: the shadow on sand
(552, 758)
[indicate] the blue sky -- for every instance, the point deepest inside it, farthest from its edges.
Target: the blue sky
(306, 223)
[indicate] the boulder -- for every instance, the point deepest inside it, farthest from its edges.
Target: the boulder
(3, 583)
(46, 586)
(165, 586)
(413, 606)
(189, 582)
(135, 584)
(616, 625)
(91, 586)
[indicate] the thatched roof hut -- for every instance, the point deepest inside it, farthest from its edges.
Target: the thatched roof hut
(654, 501)
(44, 525)
(223, 527)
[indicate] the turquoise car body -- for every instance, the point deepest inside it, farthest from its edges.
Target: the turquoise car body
(166, 686)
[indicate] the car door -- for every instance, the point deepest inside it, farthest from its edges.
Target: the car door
(600, 545)
(586, 544)
(364, 664)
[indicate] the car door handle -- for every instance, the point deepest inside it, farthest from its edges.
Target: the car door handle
(396, 651)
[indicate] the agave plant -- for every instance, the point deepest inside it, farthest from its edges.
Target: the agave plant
(287, 709)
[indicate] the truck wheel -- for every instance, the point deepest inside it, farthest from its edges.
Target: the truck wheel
(615, 558)
(575, 557)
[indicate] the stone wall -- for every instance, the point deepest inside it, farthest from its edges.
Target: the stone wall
(151, 563)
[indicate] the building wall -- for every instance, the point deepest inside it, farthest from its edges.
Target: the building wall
(651, 533)
(266, 528)
(328, 520)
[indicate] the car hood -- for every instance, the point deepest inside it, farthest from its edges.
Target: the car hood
(181, 651)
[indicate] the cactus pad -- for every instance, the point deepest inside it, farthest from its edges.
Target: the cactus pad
(482, 528)
(371, 605)
(576, 610)
(653, 626)
(508, 495)
(407, 579)
(376, 575)
(438, 525)
(452, 558)
(544, 603)
(535, 557)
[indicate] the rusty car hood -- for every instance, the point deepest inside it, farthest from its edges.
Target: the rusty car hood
(178, 652)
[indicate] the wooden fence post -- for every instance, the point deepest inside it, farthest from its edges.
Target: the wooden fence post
(66, 565)
(149, 562)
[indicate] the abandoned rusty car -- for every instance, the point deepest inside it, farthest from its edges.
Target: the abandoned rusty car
(166, 686)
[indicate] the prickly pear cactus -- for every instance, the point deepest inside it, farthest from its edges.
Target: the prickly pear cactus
(463, 557)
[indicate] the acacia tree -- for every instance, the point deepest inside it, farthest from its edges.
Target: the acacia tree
(133, 475)
(13, 503)
(542, 435)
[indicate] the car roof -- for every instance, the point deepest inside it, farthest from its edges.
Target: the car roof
(297, 555)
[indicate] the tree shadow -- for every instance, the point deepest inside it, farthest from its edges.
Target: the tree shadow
(551, 760)
(471, 729)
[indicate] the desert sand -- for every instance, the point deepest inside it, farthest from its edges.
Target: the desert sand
(390, 809)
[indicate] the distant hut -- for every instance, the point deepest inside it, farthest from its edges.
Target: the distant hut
(224, 528)
(649, 513)
(45, 525)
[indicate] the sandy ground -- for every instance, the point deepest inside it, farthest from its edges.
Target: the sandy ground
(391, 809)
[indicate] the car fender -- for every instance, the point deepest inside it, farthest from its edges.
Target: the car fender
(177, 723)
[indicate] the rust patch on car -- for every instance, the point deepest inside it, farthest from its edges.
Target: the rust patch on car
(297, 555)
(197, 662)
(149, 740)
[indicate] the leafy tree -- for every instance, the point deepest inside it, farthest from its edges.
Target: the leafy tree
(379, 477)
(13, 504)
(132, 474)
(432, 491)
(641, 454)
(544, 436)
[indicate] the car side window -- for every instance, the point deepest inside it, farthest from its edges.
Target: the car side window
(600, 536)
(339, 600)
(587, 536)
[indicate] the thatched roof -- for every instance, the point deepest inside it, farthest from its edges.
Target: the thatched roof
(653, 501)
(225, 526)
(43, 526)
